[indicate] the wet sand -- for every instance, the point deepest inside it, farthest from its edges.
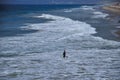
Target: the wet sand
(115, 10)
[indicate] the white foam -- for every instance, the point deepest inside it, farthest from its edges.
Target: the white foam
(72, 9)
(98, 14)
(62, 24)
(48, 16)
(66, 28)
(87, 8)
(79, 8)
(68, 10)
(117, 26)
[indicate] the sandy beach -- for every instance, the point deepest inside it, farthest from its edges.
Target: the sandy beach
(115, 10)
(112, 9)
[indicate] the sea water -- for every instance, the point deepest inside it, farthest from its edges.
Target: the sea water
(33, 38)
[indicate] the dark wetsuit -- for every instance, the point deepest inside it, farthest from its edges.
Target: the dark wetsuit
(64, 54)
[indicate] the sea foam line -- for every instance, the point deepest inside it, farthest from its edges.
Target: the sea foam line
(98, 14)
(62, 24)
(79, 8)
(88, 8)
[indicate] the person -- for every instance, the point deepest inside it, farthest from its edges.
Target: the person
(64, 54)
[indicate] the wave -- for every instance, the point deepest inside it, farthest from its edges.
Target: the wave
(65, 28)
(48, 16)
(98, 14)
(68, 10)
(71, 10)
(87, 8)
(79, 8)
(118, 27)
(62, 24)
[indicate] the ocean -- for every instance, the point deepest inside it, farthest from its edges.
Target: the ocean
(33, 38)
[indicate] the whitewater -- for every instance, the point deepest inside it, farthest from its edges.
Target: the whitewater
(38, 55)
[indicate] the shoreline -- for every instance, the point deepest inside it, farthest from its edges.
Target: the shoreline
(117, 33)
(114, 9)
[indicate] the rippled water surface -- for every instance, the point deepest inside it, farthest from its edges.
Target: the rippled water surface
(35, 51)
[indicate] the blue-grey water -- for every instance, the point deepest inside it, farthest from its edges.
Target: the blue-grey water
(33, 38)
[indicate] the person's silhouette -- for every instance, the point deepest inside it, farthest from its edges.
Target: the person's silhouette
(64, 54)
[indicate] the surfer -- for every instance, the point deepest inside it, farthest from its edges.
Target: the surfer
(64, 54)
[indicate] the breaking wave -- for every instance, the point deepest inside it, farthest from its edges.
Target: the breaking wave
(87, 8)
(99, 15)
(62, 24)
